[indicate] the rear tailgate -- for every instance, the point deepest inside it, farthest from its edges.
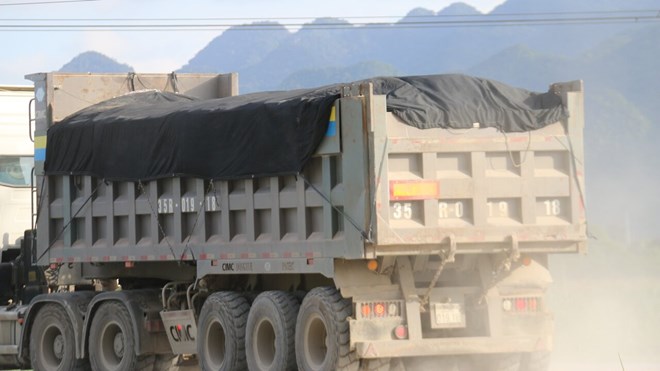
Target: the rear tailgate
(478, 190)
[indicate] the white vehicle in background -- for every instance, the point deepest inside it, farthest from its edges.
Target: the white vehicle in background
(16, 162)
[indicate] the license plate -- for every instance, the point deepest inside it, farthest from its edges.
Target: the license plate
(448, 315)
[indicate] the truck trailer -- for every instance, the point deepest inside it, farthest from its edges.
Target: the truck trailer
(354, 226)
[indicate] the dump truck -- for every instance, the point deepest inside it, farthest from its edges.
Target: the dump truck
(354, 226)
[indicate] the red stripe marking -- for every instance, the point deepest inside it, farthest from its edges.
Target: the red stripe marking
(244, 255)
(203, 256)
(224, 256)
(309, 254)
(71, 259)
(163, 257)
(265, 255)
(144, 257)
(287, 254)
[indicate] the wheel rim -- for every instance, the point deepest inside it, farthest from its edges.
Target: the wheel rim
(111, 346)
(316, 338)
(215, 345)
(264, 344)
(52, 347)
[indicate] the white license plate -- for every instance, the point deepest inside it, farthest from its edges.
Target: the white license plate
(448, 315)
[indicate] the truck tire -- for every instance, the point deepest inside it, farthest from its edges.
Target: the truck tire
(111, 344)
(52, 341)
(535, 361)
(270, 332)
(322, 333)
(221, 332)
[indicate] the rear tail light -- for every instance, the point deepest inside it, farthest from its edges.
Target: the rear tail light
(401, 332)
(533, 305)
(366, 310)
(521, 305)
(379, 309)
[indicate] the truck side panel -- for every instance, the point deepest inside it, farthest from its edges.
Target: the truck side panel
(403, 190)
(266, 225)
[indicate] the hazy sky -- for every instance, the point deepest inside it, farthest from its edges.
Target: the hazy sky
(30, 51)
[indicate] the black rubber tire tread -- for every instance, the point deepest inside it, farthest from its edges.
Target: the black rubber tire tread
(535, 361)
(48, 315)
(231, 310)
(498, 362)
(113, 310)
(335, 312)
(281, 309)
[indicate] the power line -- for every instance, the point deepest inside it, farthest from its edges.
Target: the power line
(46, 2)
(331, 25)
(248, 19)
(304, 29)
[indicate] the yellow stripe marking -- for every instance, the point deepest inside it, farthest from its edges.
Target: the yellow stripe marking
(40, 142)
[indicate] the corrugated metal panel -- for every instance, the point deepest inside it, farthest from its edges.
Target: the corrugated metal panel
(491, 188)
(477, 189)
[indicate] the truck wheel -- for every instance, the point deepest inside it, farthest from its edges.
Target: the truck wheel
(111, 344)
(221, 332)
(535, 361)
(322, 333)
(270, 332)
(52, 341)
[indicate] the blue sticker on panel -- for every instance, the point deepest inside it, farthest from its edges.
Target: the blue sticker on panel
(40, 154)
(332, 129)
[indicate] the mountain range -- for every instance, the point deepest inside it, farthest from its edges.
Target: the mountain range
(617, 61)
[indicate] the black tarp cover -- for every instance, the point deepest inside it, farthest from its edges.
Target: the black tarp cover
(150, 135)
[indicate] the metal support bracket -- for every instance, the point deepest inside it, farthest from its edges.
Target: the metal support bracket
(446, 256)
(512, 257)
(505, 265)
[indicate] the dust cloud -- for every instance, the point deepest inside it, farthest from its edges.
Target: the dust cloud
(607, 307)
